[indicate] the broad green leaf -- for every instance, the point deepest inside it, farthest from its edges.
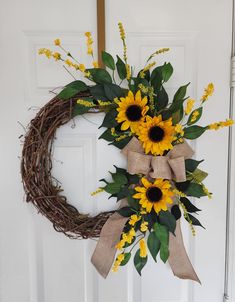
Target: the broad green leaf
(119, 178)
(180, 93)
(100, 75)
(167, 71)
(195, 190)
(121, 68)
(125, 211)
(194, 132)
(192, 164)
(175, 211)
(110, 119)
(108, 60)
(199, 175)
(182, 186)
(162, 99)
(122, 143)
(139, 262)
(156, 78)
(194, 220)
(133, 203)
(106, 135)
(153, 245)
(124, 191)
(178, 115)
(112, 91)
(161, 233)
(188, 205)
(164, 252)
(112, 188)
(127, 257)
(190, 122)
(72, 89)
(167, 219)
(97, 91)
(80, 109)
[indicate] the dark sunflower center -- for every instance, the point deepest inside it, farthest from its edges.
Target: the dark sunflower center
(156, 134)
(133, 113)
(154, 194)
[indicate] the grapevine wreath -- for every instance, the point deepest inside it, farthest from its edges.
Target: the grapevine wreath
(151, 130)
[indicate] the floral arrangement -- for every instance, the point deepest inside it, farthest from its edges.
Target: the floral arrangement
(151, 130)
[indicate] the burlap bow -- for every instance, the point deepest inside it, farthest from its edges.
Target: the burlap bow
(171, 166)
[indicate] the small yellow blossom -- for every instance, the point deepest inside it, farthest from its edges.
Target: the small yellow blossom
(121, 30)
(194, 116)
(117, 262)
(46, 52)
(134, 218)
(89, 43)
(120, 244)
(95, 64)
(144, 226)
(146, 68)
(143, 249)
(179, 129)
(128, 72)
(68, 62)
(186, 216)
(208, 91)
(189, 106)
(177, 192)
(218, 125)
(82, 67)
(57, 42)
(102, 103)
(97, 191)
(129, 236)
(56, 56)
(206, 191)
(85, 103)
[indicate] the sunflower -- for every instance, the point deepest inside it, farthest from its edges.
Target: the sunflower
(154, 195)
(131, 111)
(156, 135)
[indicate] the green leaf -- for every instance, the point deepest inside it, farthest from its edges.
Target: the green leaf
(127, 257)
(180, 93)
(167, 219)
(194, 132)
(122, 143)
(80, 109)
(126, 211)
(199, 175)
(194, 220)
(112, 188)
(188, 205)
(139, 262)
(121, 68)
(156, 78)
(195, 190)
(167, 71)
(112, 91)
(106, 135)
(163, 235)
(133, 179)
(190, 122)
(133, 203)
(100, 75)
(124, 191)
(108, 60)
(192, 164)
(162, 99)
(110, 119)
(119, 178)
(153, 245)
(97, 91)
(72, 89)
(164, 253)
(178, 115)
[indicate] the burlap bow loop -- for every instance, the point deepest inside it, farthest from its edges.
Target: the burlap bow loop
(171, 166)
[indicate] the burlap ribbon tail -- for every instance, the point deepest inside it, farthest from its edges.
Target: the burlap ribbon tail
(171, 166)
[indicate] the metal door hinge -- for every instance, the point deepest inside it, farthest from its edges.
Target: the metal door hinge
(233, 72)
(226, 298)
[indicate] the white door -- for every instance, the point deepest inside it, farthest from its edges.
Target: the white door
(36, 263)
